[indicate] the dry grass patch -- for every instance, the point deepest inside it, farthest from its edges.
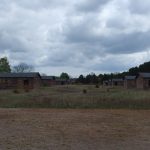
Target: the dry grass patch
(76, 96)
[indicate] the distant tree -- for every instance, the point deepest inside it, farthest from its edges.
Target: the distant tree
(106, 77)
(23, 67)
(4, 65)
(81, 79)
(100, 78)
(94, 79)
(91, 78)
(88, 79)
(125, 74)
(134, 71)
(145, 67)
(64, 76)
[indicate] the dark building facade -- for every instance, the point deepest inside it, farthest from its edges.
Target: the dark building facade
(130, 82)
(143, 81)
(48, 80)
(107, 83)
(117, 82)
(20, 80)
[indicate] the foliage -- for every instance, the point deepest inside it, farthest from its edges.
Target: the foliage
(81, 79)
(96, 86)
(84, 91)
(4, 65)
(64, 76)
(94, 79)
(23, 67)
(16, 91)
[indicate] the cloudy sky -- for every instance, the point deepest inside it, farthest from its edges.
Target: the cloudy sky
(75, 36)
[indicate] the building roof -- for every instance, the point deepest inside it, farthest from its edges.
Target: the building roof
(48, 78)
(117, 80)
(107, 81)
(130, 77)
(61, 80)
(19, 75)
(145, 75)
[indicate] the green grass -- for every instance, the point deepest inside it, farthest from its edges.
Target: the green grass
(72, 96)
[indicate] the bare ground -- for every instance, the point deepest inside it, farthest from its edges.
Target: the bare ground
(66, 129)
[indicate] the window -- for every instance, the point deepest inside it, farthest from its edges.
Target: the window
(26, 82)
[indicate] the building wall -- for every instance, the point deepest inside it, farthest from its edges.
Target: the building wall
(140, 83)
(21, 83)
(130, 84)
(37, 82)
(6, 83)
(146, 83)
(48, 82)
(117, 83)
(143, 83)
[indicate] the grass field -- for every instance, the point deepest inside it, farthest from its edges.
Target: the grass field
(72, 96)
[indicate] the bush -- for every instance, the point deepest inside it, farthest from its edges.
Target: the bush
(96, 86)
(108, 90)
(16, 91)
(84, 91)
(27, 90)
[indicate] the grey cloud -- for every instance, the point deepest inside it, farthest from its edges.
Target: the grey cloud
(139, 7)
(90, 5)
(67, 56)
(12, 43)
(78, 35)
(120, 43)
(34, 5)
(110, 65)
(127, 43)
(81, 32)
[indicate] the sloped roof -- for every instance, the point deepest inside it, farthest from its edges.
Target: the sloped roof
(117, 80)
(61, 80)
(145, 75)
(19, 75)
(107, 81)
(48, 78)
(130, 77)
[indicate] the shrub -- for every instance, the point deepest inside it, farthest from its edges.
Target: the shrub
(108, 90)
(84, 91)
(16, 91)
(96, 86)
(27, 90)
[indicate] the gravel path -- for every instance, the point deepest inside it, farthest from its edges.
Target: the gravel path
(66, 129)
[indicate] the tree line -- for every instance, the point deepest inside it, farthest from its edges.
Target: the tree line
(22, 67)
(94, 79)
(91, 78)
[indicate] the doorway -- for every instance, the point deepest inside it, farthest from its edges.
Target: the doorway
(26, 83)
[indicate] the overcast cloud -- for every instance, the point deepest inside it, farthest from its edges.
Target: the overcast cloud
(77, 37)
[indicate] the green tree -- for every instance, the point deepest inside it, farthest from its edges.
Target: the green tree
(81, 79)
(64, 76)
(145, 67)
(134, 70)
(4, 65)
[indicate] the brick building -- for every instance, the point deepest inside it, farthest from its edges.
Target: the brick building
(20, 80)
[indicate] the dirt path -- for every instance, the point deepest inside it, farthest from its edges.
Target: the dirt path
(27, 129)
